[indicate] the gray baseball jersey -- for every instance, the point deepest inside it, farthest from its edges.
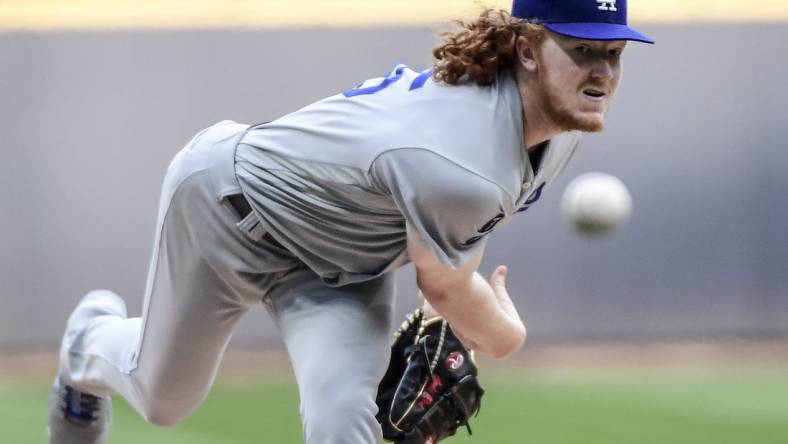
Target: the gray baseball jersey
(338, 181)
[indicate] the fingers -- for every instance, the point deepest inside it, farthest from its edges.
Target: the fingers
(498, 277)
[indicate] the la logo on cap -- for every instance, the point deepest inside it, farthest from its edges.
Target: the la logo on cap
(607, 5)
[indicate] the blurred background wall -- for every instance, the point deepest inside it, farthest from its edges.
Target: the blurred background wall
(89, 120)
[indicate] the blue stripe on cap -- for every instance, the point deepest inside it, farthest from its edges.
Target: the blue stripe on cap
(598, 31)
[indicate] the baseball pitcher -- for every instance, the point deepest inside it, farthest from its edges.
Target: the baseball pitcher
(310, 213)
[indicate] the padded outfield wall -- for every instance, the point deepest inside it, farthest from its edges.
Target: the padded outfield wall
(89, 121)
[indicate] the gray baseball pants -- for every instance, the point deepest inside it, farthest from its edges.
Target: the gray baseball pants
(208, 269)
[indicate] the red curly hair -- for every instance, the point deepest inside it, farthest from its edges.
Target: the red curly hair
(482, 48)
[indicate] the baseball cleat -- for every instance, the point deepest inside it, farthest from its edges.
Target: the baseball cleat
(76, 417)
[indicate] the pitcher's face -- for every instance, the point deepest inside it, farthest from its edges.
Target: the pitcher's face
(577, 80)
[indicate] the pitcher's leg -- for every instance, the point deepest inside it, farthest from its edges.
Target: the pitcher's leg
(338, 341)
(165, 362)
(190, 317)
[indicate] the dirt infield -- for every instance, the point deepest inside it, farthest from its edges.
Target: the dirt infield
(552, 359)
(677, 356)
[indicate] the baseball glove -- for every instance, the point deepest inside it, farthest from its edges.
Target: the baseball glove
(431, 386)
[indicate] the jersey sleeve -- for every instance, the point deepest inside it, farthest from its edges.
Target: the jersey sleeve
(450, 208)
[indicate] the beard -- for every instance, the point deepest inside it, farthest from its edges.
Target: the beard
(560, 112)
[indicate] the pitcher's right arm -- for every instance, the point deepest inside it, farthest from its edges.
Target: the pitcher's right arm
(481, 312)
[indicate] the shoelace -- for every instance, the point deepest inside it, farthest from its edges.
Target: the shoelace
(80, 406)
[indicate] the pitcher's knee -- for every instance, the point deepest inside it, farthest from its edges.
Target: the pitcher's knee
(163, 408)
(342, 419)
(165, 414)
(164, 402)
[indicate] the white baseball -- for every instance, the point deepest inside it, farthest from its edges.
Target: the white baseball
(596, 203)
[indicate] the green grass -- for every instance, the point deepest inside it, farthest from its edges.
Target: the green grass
(632, 408)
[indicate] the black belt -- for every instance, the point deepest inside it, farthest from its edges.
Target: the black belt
(242, 207)
(240, 204)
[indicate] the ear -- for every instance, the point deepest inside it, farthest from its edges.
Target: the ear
(526, 54)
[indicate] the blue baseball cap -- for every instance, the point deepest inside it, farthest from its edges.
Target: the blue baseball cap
(581, 19)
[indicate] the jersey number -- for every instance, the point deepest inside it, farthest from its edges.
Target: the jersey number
(395, 75)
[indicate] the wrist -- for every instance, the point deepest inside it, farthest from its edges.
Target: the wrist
(429, 310)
